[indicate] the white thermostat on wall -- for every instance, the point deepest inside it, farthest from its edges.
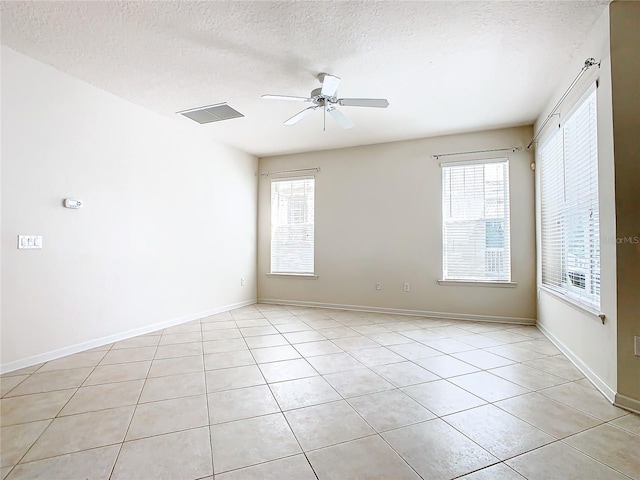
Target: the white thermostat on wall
(72, 203)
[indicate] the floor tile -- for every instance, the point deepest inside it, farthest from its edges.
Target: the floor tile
(241, 403)
(548, 415)
(189, 337)
(327, 424)
(252, 322)
(176, 366)
(354, 343)
(248, 442)
(612, 446)
(95, 464)
(155, 457)
(223, 325)
(15, 440)
(313, 349)
(391, 338)
(100, 397)
(442, 397)
(513, 352)
(586, 400)
(543, 346)
(390, 409)
(287, 370)
(229, 333)
(188, 327)
(506, 336)
(9, 383)
(446, 366)
(81, 432)
(275, 354)
(414, 351)
(173, 386)
(366, 458)
(262, 341)
(488, 387)
(481, 359)
(338, 332)
(293, 327)
(500, 471)
(303, 337)
(479, 341)
(334, 363)
(630, 423)
(120, 372)
(357, 382)
(434, 449)
(498, 432)
(421, 335)
(558, 461)
(558, 366)
(30, 408)
(405, 374)
(77, 360)
(235, 377)
(51, 381)
(369, 330)
(168, 416)
(126, 355)
(528, 377)
(226, 345)
(216, 361)
(258, 331)
(448, 345)
(373, 357)
(303, 393)
(296, 467)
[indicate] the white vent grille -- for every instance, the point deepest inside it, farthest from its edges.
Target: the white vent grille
(212, 113)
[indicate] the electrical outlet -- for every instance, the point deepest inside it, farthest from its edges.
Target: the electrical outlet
(636, 346)
(241, 282)
(378, 285)
(406, 287)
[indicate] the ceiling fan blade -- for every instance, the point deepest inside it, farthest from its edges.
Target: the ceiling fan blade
(286, 97)
(340, 118)
(300, 115)
(364, 102)
(330, 85)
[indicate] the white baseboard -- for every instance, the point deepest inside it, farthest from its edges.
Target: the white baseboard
(399, 311)
(597, 382)
(627, 403)
(80, 347)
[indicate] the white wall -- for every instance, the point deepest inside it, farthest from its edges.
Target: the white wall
(589, 343)
(166, 232)
(378, 218)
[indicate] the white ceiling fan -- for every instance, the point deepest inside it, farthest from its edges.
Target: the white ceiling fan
(325, 98)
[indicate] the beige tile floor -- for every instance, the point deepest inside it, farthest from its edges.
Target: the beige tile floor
(275, 392)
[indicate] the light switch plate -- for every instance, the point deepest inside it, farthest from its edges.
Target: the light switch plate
(29, 241)
(636, 346)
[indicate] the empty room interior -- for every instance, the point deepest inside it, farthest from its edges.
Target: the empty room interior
(320, 240)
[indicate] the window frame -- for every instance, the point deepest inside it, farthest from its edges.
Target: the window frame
(302, 274)
(447, 278)
(567, 290)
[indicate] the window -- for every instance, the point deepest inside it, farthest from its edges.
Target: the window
(570, 225)
(292, 225)
(475, 221)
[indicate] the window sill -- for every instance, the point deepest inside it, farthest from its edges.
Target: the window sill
(583, 307)
(309, 276)
(478, 283)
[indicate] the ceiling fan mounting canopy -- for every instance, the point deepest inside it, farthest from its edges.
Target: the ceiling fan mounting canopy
(326, 97)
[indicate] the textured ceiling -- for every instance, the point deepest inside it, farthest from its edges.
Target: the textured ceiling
(446, 67)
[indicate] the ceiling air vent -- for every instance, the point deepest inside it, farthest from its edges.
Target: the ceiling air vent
(212, 113)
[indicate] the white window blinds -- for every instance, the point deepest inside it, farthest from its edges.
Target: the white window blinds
(568, 162)
(292, 225)
(476, 221)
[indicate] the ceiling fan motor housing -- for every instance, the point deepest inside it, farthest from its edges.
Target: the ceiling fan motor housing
(319, 99)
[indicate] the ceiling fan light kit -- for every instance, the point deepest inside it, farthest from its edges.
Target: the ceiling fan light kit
(326, 98)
